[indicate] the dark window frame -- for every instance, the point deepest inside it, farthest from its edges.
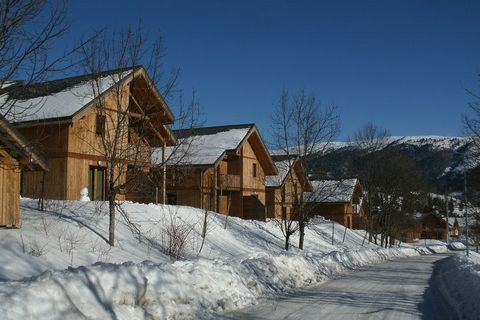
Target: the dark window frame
(100, 124)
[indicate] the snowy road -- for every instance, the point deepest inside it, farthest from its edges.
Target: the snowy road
(403, 289)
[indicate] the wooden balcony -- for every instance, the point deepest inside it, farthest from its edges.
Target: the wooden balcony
(228, 182)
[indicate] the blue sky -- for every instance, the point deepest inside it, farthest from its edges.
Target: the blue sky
(403, 65)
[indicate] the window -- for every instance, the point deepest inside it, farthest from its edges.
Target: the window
(171, 198)
(100, 125)
(254, 170)
(135, 128)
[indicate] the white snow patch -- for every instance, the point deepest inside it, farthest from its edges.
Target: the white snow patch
(59, 262)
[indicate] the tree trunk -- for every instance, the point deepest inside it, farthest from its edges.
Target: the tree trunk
(204, 230)
(302, 234)
(111, 227)
(287, 241)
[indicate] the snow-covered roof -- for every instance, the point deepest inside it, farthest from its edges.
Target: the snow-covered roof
(17, 145)
(6, 84)
(283, 164)
(283, 167)
(61, 98)
(333, 191)
(204, 146)
(419, 216)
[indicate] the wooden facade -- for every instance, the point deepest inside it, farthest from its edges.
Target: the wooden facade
(74, 145)
(16, 156)
(284, 189)
(233, 184)
(342, 203)
(428, 226)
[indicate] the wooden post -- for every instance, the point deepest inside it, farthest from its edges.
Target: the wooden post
(42, 191)
(333, 231)
(202, 204)
(156, 195)
(164, 173)
(215, 202)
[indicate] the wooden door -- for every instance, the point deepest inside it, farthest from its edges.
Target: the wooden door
(96, 183)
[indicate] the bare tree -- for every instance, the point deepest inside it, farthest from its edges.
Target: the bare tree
(369, 142)
(173, 165)
(302, 126)
(471, 121)
(126, 126)
(28, 31)
(391, 182)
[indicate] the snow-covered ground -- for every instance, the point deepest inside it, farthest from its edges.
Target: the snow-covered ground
(60, 263)
(460, 284)
(430, 245)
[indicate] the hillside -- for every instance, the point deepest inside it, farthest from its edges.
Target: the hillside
(440, 159)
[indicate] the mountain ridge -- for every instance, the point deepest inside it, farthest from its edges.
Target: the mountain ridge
(441, 159)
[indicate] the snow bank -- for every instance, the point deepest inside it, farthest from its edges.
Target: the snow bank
(460, 283)
(60, 263)
(456, 246)
(184, 289)
(438, 248)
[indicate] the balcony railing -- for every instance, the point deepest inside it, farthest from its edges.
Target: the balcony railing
(229, 182)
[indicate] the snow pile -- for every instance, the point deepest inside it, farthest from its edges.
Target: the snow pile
(456, 246)
(460, 283)
(184, 289)
(438, 248)
(431, 245)
(137, 280)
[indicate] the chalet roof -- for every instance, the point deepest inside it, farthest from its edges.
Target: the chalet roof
(62, 99)
(19, 147)
(208, 131)
(59, 99)
(206, 146)
(332, 191)
(283, 164)
(419, 216)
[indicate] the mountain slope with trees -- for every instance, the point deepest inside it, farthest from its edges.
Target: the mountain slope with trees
(440, 160)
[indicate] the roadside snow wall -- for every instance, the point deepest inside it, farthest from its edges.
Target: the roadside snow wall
(180, 290)
(455, 286)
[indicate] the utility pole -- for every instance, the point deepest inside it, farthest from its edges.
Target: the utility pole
(448, 222)
(466, 206)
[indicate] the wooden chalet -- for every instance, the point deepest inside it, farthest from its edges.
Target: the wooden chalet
(221, 169)
(338, 200)
(17, 156)
(429, 226)
(68, 120)
(284, 188)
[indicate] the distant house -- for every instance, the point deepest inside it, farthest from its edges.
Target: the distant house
(16, 156)
(63, 118)
(431, 226)
(338, 200)
(222, 169)
(284, 188)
